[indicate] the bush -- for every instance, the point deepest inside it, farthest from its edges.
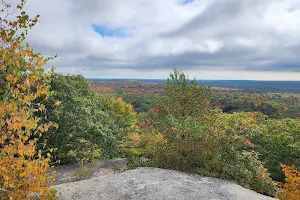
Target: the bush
(279, 142)
(218, 146)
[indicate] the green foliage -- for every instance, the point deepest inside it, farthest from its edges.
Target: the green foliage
(182, 133)
(90, 126)
(140, 95)
(272, 104)
(85, 151)
(125, 118)
(182, 98)
(82, 116)
(140, 102)
(217, 146)
(80, 174)
(279, 142)
(238, 160)
(179, 116)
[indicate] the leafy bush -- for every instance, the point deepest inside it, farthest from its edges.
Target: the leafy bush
(84, 152)
(279, 142)
(217, 146)
(238, 159)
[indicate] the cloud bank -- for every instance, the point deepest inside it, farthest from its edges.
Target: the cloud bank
(209, 39)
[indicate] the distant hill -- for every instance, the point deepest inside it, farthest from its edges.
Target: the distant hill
(282, 86)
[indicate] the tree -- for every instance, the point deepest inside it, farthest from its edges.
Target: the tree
(24, 87)
(279, 142)
(123, 114)
(290, 190)
(82, 116)
(183, 98)
(182, 133)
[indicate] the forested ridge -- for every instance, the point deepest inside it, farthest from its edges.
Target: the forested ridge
(48, 119)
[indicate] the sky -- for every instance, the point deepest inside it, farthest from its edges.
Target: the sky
(206, 39)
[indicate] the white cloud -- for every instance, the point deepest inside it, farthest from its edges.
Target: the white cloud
(210, 36)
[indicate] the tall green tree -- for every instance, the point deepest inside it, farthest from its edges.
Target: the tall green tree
(183, 98)
(183, 133)
(83, 120)
(179, 115)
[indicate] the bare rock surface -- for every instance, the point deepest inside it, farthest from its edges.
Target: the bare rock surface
(66, 173)
(155, 184)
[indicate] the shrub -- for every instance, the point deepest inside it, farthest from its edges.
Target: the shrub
(84, 152)
(279, 142)
(217, 146)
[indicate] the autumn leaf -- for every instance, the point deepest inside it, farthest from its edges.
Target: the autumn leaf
(57, 103)
(22, 168)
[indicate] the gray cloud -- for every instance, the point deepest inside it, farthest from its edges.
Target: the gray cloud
(206, 35)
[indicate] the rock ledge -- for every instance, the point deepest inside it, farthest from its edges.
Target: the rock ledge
(154, 184)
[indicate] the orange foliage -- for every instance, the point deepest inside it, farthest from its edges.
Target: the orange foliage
(127, 87)
(291, 189)
(23, 86)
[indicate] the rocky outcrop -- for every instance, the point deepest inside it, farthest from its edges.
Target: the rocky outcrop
(155, 184)
(66, 173)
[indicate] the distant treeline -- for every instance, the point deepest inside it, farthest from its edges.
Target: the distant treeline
(282, 86)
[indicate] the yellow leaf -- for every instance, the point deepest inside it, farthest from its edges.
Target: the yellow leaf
(57, 103)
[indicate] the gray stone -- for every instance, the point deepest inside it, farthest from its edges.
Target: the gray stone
(155, 184)
(65, 173)
(116, 164)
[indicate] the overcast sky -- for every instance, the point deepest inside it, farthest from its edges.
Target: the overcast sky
(207, 39)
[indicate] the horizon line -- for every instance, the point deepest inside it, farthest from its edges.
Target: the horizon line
(193, 79)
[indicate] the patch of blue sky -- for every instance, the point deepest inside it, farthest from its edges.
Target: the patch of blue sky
(106, 31)
(290, 10)
(187, 1)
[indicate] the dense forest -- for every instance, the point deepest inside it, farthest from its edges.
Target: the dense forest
(49, 119)
(141, 95)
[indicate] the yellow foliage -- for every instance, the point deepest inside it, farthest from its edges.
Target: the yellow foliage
(57, 103)
(144, 143)
(23, 83)
(125, 116)
(290, 190)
